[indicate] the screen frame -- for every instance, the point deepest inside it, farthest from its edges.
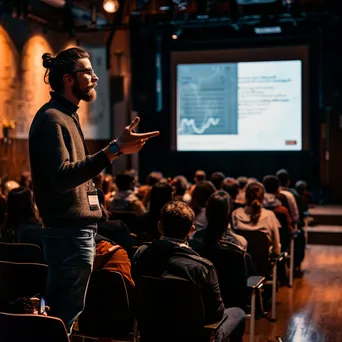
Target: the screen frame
(236, 55)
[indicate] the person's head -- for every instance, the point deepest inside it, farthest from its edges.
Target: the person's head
(251, 180)
(124, 181)
(231, 186)
(9, 186)
(271, 184)
(242, 181)
(180, 184)
(254, 198)
(217, 179)
(70, 73)
(301, 187)
(98, 180)
(26, 179)
(20, 207)
(200, 176)
(218, 213)
(176, 220)
(153, 178)
(161, 193)
(284, 177)
(201, 194)
(107, 184)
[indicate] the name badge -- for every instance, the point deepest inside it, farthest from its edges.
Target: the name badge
(93, 200)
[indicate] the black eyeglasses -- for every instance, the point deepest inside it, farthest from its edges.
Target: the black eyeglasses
(89, 71)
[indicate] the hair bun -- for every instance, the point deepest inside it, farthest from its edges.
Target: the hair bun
(47, 60)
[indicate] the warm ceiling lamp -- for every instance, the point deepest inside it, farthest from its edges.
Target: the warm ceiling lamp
(111, 6)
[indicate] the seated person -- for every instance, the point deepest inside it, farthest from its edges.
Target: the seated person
(125, 198)
(200, 196)
(171, 254)
(21, 224)
(218, 230)
(255, 217)
(231, 186)
(217, 178)
(181, 187)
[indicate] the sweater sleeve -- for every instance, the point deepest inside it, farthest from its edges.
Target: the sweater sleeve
(63, 174)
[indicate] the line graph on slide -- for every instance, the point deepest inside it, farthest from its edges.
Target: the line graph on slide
(192, 124)
(206, 99)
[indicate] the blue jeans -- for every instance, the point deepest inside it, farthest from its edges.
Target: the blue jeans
(69, 254)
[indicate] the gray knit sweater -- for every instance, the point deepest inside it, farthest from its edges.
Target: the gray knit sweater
(61, 171)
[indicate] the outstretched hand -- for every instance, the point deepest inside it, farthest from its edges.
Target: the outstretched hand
(130, 142)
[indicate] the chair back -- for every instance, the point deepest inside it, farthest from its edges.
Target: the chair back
(107, 311)
(259, 248)
(130, 218)
(21, 252)
(21, 280)
(231, 271)
(31, 328)
(169, 309)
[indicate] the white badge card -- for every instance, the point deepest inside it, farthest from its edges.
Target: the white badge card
(93, 200)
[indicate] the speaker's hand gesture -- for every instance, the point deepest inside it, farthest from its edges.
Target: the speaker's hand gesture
(130, 142)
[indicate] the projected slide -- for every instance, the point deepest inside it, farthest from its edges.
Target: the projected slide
(253, 106)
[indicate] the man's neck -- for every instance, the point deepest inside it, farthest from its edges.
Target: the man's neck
(71, 98)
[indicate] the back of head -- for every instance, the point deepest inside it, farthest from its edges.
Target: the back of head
(124, 181)
(254, 199)
(217, 179)
(20, 207)
(107, 184)
(176, 219)
(200, 176)
(9, 186)
(218, 213)
(161, 193)
(271, 184)
(231, 186)
(26, 179)
(284, 177)
(201, 194)
(65, 62)
(153, 178)
(242, 181)
(301, 187)
(180, 183)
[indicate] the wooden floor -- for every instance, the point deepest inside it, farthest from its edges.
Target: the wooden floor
(312, 310)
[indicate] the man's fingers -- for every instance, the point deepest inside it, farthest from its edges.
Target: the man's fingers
(147, 135)
(134, 123)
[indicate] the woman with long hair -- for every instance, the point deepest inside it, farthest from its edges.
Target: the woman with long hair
(218, 231)
(22, 223)
(255, 217)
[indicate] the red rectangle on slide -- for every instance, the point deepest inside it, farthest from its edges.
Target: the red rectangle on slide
(290, 142)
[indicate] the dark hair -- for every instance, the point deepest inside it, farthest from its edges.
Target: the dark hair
(301, 186)
(64, 63)
(271, 184)
(176, 219)
(218, 213)
(254, 198)
(153, 178)
(231, 186)
(26, 179)
(124, 181)
(203, 190)
(283, 177)
(20, 209)
(180, 184)
(217, 179)
(161, 193)
(242, 181)
(200, 175)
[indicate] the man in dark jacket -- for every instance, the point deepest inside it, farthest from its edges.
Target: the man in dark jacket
(172, 255)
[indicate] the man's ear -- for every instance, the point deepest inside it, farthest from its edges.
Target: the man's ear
(160, 228)
(68, 79)
(192, 229)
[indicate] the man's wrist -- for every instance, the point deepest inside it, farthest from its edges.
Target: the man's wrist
(114, 148)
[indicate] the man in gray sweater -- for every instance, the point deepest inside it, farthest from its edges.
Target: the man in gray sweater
(62, 171)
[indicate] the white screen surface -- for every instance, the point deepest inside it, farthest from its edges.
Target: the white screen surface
(245, 106)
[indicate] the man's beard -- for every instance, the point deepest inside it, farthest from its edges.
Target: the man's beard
(87, 94)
